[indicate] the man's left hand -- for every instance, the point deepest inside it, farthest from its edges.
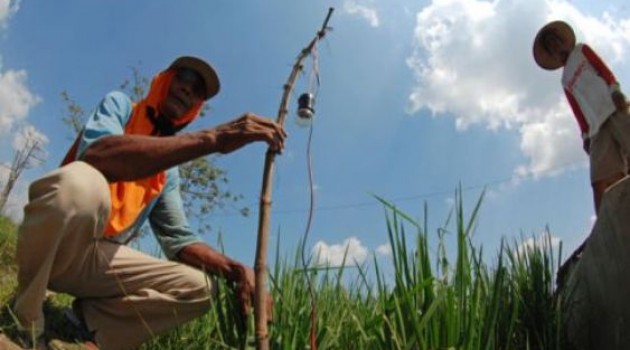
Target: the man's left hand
(619, 99)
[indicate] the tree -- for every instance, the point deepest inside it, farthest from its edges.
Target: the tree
(203, 183)
(28, 144)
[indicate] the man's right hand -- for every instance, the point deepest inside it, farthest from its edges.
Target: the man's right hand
(247, 129)
(244, 279)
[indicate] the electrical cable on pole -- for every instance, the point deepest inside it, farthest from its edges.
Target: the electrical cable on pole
(260, 265)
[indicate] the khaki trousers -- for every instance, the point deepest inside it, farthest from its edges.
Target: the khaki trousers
(126, 297)
(610, 148)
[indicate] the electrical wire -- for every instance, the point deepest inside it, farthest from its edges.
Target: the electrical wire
(313, 87)
(373, 203)
(305, 239)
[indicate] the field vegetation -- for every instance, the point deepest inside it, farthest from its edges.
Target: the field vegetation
(433, 299)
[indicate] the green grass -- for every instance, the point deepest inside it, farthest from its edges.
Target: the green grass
(8, 270)
(432, 300)
(7, 265)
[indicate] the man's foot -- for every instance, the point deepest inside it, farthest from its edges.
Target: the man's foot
(57, 344)
(7, 344)
(30, 344)
(83, 339)
(74, 315)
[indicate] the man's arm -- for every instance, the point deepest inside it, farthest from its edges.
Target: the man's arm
(599, 65)
(202, 256)
(619, 99)
(132, 157)
(179, 242)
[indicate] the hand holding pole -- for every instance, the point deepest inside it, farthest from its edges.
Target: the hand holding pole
(260, 266)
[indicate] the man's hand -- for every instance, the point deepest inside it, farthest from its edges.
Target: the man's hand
(244, 279)
(202, 256)
(247, 129)
(619, 99)
(586, 144)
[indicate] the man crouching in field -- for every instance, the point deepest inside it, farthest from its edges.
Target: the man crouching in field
(122, 171)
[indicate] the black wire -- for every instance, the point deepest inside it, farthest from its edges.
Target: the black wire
(306, 233)
(311, 194)
(311, 209)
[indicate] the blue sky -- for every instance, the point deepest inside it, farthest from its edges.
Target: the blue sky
(416, 98)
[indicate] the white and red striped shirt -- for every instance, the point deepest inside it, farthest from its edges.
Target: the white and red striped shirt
(588, 84)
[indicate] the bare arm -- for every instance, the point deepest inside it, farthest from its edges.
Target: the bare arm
(619, 99)
(131, 157)
(204, 257)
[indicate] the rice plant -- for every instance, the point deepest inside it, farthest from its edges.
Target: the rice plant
(434, 299)
(431, 302)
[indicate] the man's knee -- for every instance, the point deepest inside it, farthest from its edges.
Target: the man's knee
(600, 186)
(76, 186)
(195, 287)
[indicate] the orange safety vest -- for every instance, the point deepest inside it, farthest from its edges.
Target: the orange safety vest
(130, 198)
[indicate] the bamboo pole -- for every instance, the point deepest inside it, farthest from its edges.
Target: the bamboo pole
(260, 266)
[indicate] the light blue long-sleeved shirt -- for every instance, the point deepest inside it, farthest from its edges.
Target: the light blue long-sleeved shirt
(166, 212)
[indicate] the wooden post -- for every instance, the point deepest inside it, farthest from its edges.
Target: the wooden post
(260, 266)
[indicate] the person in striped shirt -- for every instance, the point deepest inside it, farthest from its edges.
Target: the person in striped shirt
(599, 105)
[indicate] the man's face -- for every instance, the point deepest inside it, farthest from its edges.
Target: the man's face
(186, 91)
(556, 47)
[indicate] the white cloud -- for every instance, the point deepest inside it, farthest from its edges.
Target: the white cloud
(18, 197)
(333, 255)
(28, 136)
(15, 98)
(4, 171)
(553, 144)
(29, 145)
(473, 61)
(384, 250)
(7, 9)
(543, 242)
(367, 13)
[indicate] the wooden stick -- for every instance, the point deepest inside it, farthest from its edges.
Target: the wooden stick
(260, 267)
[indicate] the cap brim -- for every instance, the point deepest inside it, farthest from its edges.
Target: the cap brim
(541, 56)
(205, 70)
